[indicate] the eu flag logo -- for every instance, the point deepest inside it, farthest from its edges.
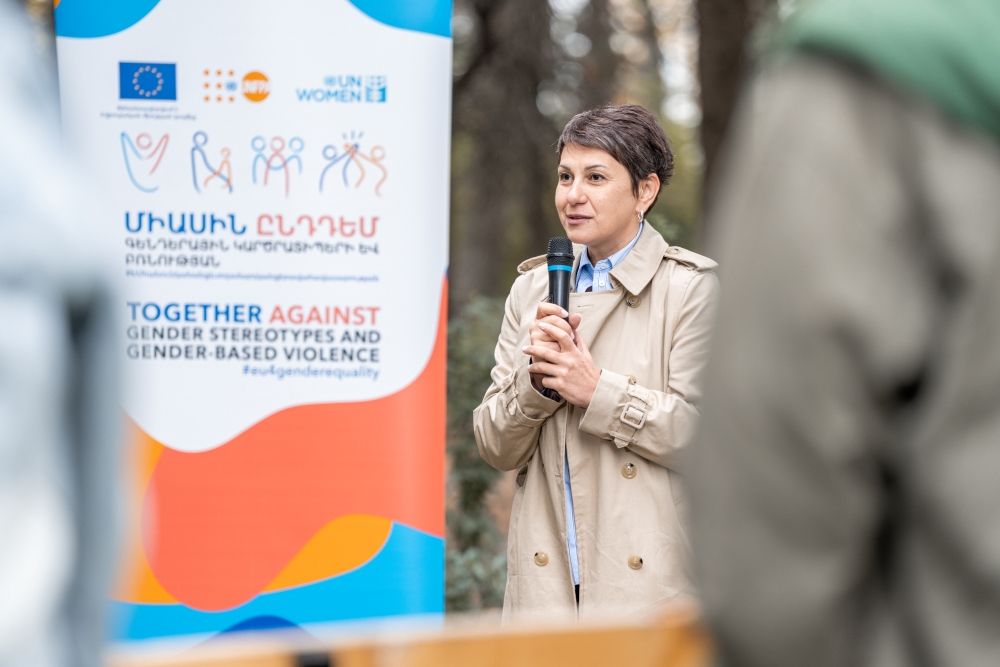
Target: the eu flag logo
(147, 81)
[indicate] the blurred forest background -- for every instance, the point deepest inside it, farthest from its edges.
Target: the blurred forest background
(522, 68)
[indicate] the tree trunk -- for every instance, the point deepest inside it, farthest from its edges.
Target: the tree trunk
(723, 30)
(725, 26)
(501, 212)
(600, 66)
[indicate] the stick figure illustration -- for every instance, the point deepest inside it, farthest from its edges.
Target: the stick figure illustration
(295, 144)
(276, 162)
(374, 157)
(354, 155)
(258, 144)
(142, 152)
(199, 140)
(352, 147)
(332, 157)
(224, 172)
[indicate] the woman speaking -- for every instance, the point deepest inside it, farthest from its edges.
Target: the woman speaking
(593, 406)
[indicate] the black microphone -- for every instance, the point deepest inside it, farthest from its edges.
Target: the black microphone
(560, 259)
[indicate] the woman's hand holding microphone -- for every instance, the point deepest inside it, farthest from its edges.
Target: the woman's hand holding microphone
(560, 358)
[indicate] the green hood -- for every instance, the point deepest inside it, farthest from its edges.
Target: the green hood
(947, 50)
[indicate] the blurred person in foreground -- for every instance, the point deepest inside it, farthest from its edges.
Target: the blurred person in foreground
(846, 482)
(58, 402)
(593, 406)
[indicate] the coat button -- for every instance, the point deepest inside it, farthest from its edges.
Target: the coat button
(635, 562)
(628, 470)
(633, 301)
(672, 250)
(541, 558)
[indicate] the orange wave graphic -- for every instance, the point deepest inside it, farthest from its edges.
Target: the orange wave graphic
(304, 494)
(340, 546)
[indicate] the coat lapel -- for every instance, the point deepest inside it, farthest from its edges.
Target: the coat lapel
(630, 277)
(640, 264)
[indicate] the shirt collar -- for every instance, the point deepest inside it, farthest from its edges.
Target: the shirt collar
(638, 267)
(615, 258)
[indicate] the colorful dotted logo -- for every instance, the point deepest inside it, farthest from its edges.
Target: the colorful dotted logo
(256, 87)
(219, 85)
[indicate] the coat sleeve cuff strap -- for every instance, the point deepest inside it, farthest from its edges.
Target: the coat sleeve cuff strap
(525, 403)
(617, 410)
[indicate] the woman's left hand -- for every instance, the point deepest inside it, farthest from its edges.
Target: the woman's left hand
(570, 370)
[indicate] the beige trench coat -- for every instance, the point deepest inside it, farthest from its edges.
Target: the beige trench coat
(649, 337)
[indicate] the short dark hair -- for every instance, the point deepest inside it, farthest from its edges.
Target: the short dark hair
(630, 134)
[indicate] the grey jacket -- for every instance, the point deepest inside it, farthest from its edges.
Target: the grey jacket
(846, 481)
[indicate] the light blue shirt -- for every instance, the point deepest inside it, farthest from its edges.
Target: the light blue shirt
(598, 277)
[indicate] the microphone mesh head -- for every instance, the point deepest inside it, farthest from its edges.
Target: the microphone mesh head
(560, 245)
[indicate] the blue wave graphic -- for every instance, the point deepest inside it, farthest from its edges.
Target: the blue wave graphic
(100, 18)
(430, 16)
(405, 577)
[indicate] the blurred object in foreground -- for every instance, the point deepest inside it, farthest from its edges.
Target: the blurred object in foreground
(845, 504)
(674, 639)
(58, 382)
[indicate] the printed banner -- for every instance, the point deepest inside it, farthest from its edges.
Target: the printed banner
(279, 179)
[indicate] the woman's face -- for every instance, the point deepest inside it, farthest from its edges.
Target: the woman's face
(595, 201)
